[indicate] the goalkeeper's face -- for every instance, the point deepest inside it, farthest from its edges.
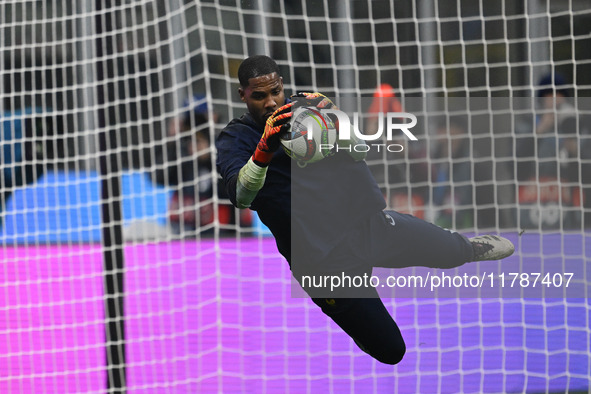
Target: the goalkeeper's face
(263, 96)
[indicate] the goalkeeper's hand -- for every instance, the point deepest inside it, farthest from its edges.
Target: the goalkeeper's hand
(277, 125)
(318, 100)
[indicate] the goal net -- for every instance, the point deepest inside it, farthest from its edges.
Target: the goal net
(124, 264)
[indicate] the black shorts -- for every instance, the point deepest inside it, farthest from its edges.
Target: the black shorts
(386, 239)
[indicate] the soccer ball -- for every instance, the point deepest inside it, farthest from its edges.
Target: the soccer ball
(312, 136)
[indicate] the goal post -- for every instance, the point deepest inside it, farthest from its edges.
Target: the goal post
(500, 91)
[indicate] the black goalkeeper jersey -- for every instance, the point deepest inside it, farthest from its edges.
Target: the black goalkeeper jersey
(308, 210)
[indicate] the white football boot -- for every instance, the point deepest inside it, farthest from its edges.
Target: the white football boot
(491, 247)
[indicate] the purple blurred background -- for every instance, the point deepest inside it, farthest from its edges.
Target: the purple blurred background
(212, 317)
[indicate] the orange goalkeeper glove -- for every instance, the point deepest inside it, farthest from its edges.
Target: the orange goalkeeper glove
(318, 100)
(277, 125)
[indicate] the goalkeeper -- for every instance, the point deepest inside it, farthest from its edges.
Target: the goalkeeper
(329, 218)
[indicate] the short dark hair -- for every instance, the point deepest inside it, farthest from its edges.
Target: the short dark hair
(256, 66)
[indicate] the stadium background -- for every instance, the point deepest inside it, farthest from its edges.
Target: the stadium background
(211, 310)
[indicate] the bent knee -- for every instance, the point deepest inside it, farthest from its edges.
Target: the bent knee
(390, 355)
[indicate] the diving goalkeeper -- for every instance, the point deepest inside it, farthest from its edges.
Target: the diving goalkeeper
(329, 218)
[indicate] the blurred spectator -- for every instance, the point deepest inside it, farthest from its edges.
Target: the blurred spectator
(384, 101)
(556, 130)
(196, 114)
(395, 171)
(549, 163)
(185, 164)
(452, 176)
(553, 148)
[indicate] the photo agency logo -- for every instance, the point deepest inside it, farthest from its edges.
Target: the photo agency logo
(391, 126)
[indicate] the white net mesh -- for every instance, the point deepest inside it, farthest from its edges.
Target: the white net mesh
(109, 114)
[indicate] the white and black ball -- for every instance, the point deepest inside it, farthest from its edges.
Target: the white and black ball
(312, 136)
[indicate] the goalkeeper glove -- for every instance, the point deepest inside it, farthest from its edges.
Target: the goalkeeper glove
(251, 177)
(318, 100)
(277, 125)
